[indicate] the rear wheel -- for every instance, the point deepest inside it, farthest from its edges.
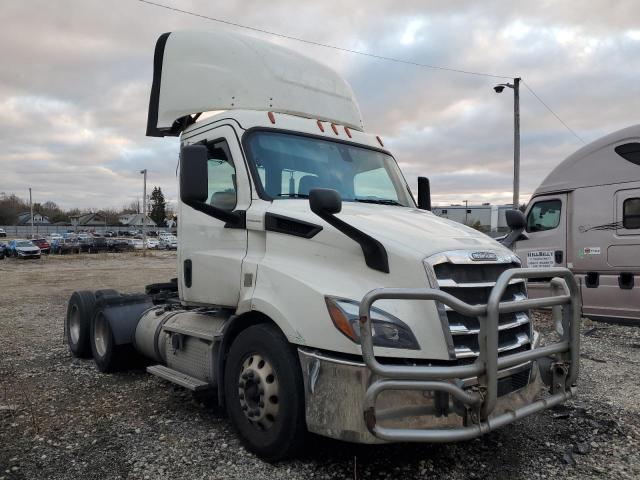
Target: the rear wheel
(77, 324)
(108, 356)
(264, 393)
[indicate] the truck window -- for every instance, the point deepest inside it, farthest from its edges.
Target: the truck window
(221, 176)
(290, 166)
(544, 215)
(374, 183)
(631, 213)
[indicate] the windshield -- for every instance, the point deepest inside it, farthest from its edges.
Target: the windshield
(24, 244)
(290, 166)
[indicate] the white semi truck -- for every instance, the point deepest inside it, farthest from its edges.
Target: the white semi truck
(313, 293)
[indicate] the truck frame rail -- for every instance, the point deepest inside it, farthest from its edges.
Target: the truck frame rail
(480, 401)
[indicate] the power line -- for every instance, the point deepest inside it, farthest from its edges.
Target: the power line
(554, 113)
(325, 45)
(357, 52)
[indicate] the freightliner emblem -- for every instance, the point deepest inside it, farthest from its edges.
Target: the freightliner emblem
(483, 256)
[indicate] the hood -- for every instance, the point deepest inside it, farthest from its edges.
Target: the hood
(27, 249)
(398, 228)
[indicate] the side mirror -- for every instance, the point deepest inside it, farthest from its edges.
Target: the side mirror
(193, 174)
(515, 219)
(517, 223)
(325, 201)
(424, 194)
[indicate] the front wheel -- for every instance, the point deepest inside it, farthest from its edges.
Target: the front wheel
(264, 393)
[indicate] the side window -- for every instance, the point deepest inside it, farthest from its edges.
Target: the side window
(631, 213)
(222, 176)
(544, 215)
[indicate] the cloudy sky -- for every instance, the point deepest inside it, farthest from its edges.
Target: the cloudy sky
(75, 79)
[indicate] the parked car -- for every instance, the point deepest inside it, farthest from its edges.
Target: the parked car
(152, 243)
(118, 244)
(97, 244)
(52, 236)
(23, 249)
(135, 243)
(2, 232)
(62, 246)
(3, 251)
(168, 242)
(110, 234)
(43, 245)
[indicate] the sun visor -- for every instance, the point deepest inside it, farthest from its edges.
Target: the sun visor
(197, 72)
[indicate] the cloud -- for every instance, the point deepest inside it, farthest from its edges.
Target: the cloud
(75, 83)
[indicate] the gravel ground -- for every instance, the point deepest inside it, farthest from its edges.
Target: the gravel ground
(60, 418)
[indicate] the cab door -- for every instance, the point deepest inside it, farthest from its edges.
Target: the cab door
(210, 252)
(546, 230)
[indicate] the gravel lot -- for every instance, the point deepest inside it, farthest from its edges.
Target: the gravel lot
(60, 418)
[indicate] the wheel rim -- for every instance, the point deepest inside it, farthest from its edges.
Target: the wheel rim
(74, 324)
(101, 335)
(259, 391)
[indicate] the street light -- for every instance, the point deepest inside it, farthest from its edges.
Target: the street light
(516, 136)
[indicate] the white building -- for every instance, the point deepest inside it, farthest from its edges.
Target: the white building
(486, 217)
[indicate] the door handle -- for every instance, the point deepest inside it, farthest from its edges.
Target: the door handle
(558, 254)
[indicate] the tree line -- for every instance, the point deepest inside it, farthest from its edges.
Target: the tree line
(11, 206)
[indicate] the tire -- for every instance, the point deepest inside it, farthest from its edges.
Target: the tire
(80, 311)
(273, 393)
(108, 356)
(106, 292)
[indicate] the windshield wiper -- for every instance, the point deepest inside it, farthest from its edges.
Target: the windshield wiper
(293, 195)
(380, 201)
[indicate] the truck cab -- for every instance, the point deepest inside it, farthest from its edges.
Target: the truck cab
(312, 291)
(584, 216)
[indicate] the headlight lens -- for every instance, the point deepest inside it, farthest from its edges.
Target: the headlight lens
(387, 330)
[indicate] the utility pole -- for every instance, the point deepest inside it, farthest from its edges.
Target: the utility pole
(144, 213)
(516, 143)
(31, 209)
(515, 86)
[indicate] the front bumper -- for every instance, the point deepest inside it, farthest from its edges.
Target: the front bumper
(370, 402)
(28, 254)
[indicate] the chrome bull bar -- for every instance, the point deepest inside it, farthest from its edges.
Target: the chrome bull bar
(481, 400)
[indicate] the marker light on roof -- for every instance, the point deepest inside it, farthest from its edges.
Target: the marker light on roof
(380, 141)
(334, 128)
(347, 131)
(271, 117)
(320, 126)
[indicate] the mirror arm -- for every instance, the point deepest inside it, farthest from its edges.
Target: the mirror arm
(375, 255)
(512, 237)
(235, 219)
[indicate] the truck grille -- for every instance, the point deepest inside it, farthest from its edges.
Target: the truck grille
(471, 281)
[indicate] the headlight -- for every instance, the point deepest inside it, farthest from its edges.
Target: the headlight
(387, 330)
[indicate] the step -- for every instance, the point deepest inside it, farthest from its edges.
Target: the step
(179, 378)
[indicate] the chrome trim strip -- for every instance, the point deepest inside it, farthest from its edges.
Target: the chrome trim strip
(462, 257)
(521, 340)
(460, 329)
(449, 282)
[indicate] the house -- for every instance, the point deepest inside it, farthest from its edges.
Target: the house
(89, 220)
(38, 219)
(486, 217)
(136, 220)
